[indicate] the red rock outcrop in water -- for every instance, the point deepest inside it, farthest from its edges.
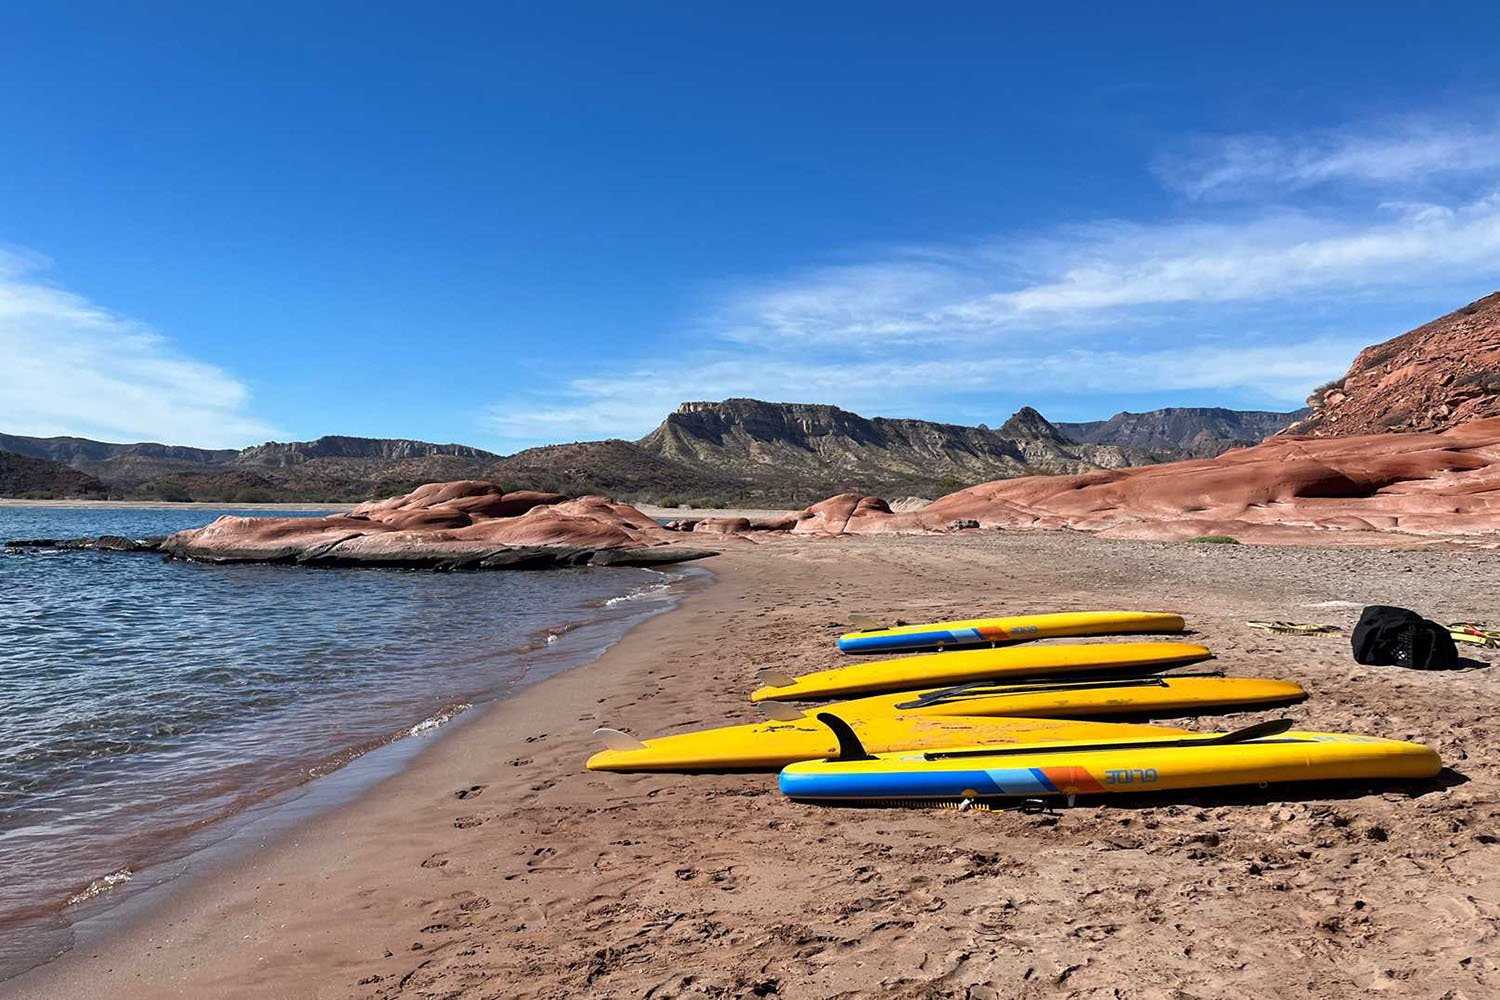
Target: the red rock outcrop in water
(1437, 376)
(1376, 489)
(469, 524)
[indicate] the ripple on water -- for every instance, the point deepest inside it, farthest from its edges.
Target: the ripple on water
(146, 698)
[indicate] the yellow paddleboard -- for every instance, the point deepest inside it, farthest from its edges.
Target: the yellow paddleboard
(1186, 694)
(1017, 628)
(768, 746)
(1151, 764)
(934, 670)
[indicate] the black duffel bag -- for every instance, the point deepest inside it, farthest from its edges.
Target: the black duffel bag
(1401, 638)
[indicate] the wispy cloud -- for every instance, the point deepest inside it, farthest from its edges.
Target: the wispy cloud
(73, 367)
(1403, 151)
(1264, 298)
(1103, 273)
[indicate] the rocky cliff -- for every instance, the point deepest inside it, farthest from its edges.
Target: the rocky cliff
(806, 449)
(335, 446)
(1434, 377)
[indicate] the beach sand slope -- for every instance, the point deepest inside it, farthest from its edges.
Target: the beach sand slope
(497, 867)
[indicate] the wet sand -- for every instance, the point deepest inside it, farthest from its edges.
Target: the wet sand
(495, 866)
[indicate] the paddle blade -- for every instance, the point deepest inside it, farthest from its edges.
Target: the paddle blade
(613, 739)
(1261, 729)
(780, 711)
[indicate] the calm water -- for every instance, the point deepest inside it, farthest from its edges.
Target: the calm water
(144, 700)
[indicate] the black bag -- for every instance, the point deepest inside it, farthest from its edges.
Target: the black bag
(1401, 638)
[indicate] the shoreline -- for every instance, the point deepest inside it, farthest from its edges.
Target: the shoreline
(544, 880)
(110, 905)
(650, 510)
(198, 897)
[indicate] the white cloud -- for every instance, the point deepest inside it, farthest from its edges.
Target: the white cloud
(1407, 151)
(72, 367)
(1100, 274)
(1258, 302)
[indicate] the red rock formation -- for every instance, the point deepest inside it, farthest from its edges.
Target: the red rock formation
(847, 513)
(1372, 489)
(464, 524)
(1435, 377)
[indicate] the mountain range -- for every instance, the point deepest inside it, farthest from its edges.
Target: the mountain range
(746, 452)
(1184, 431)
(733, 452)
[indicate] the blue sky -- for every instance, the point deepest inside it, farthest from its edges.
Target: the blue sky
(508, 225)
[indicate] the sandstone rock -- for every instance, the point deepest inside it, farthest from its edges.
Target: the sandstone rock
(1372, 489)
(723, 525)
(467, 524)
(1435, 377)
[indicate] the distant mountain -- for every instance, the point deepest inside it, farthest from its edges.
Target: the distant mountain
(276, 454)
(330, 468)
(788, 452)
(738, 452)
(620, 469)
(1183, 431)
(1428, 379)
(30, 478)
(78, 452)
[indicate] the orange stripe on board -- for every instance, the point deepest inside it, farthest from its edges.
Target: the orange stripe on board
(1073, 780)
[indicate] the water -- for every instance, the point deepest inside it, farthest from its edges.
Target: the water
(146, 701)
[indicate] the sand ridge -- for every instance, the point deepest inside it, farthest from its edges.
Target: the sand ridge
(497, 867)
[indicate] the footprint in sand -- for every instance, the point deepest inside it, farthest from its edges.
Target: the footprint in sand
(472, 792)
(436, 861)
(466, 822)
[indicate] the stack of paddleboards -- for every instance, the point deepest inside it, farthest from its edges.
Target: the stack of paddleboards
(984, 711)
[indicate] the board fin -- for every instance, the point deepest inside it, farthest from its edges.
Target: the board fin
(865, 623)
(850, 748)
(780, 711)
(775, 678)
(615, 740)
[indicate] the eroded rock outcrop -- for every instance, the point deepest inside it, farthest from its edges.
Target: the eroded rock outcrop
(1373, 489)
(1437, 376)
(468, 524)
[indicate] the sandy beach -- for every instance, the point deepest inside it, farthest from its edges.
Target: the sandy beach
(495, 866)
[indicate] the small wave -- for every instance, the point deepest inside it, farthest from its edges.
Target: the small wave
(640, 594)
(427, 725)
(101, 885)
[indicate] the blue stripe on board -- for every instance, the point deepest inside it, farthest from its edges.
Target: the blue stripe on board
(914, 784)
(908, 640)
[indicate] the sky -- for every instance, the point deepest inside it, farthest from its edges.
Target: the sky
(516, 224)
